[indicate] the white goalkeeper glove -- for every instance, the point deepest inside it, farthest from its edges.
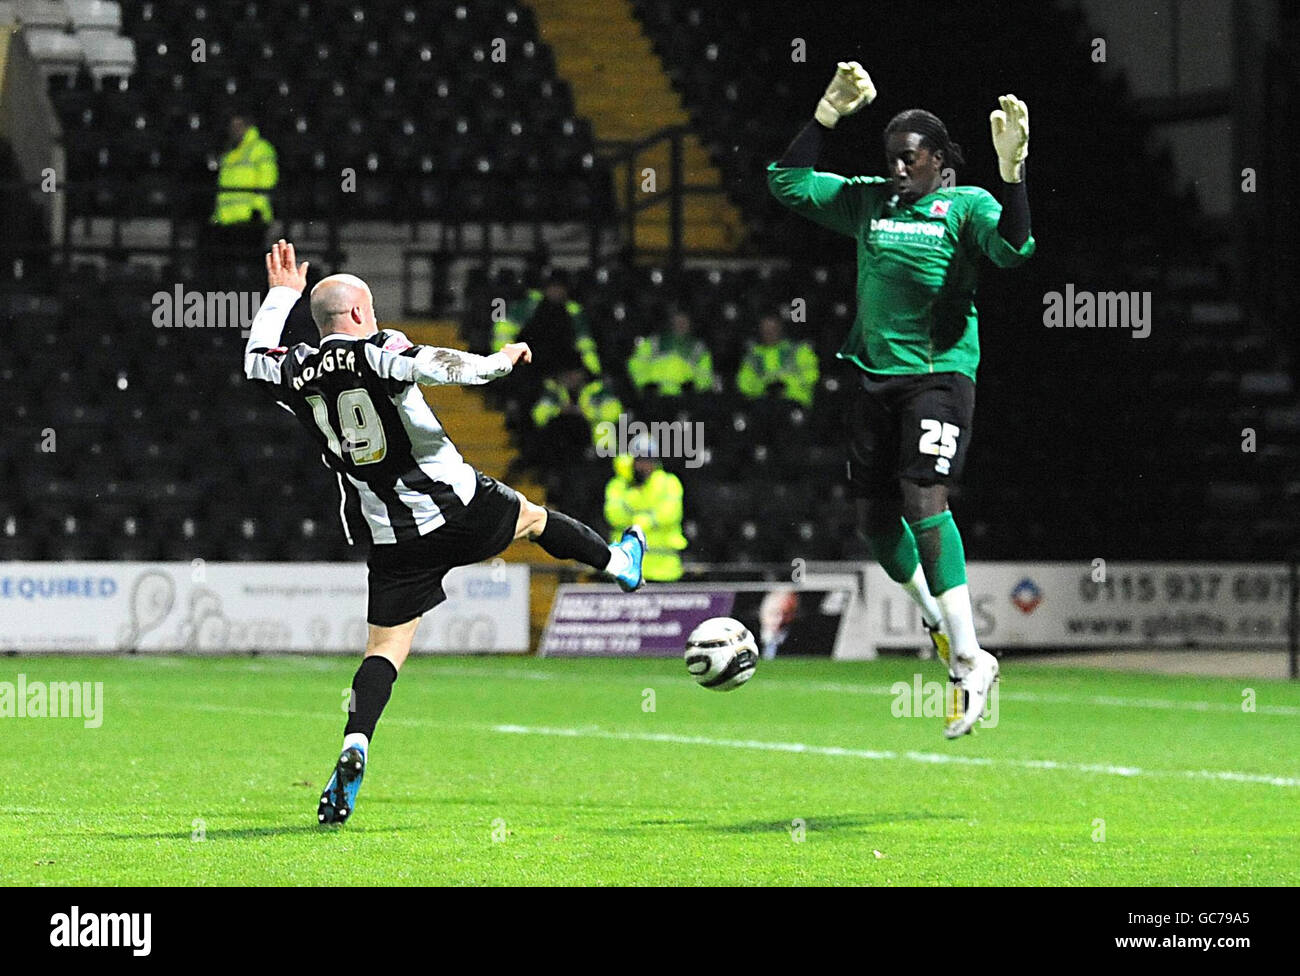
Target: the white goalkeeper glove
(1010, 125)
(849, 90)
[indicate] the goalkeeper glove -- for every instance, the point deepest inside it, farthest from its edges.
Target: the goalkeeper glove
(849, 90)
(1010, 125)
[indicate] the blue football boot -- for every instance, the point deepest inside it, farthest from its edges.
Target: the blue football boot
(340, 796)
(632, 543)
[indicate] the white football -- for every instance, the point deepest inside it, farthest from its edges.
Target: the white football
(721, 654)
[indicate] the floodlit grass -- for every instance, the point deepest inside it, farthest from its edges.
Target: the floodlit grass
(523, 771)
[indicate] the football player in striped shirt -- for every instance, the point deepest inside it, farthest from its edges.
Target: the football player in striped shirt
(405, 488)
(915, 341)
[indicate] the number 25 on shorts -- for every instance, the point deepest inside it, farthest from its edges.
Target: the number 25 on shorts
(940, 439)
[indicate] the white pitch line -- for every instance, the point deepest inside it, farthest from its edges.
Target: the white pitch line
(796, 684)
(1029, 697)
(1107, 701)
(936, 758)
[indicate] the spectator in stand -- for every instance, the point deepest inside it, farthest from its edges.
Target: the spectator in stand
(248, 172)
(643, 493)
(555, 325)
(775, 365)
(567, 417)
(673, 361)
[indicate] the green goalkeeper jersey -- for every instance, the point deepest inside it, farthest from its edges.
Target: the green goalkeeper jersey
(916, 265)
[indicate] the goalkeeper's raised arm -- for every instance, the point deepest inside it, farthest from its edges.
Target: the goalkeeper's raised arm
(825, 198)
(1010, 125)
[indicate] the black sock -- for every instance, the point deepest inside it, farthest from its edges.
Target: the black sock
(567, 538)
(372, 686)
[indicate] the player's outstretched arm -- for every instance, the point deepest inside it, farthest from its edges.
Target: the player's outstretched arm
(848, 92)
(285, 280)
(825, 198)
(438, 366)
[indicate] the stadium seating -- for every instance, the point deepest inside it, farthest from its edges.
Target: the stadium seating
(158, 439)
(1087, 443)
(434, 126)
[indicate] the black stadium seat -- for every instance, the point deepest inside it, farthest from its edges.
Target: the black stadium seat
(425, 62)
(1068, 433)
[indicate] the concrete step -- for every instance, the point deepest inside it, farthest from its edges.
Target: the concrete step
(620, 84)
(720, 237)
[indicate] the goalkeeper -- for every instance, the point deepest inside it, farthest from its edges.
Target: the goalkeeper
(915, 342)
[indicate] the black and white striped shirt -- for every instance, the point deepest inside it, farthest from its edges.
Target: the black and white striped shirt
(399, 473)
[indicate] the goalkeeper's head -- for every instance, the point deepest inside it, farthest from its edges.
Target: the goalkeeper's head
(917, 151)
(342, 304)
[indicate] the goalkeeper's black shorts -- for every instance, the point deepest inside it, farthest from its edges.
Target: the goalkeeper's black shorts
(405, 578)
(909, 428)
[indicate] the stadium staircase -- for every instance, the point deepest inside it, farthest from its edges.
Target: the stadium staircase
(620, 85)
(480, 434)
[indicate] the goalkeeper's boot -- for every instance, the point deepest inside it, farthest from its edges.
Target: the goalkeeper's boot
(939, 641)
(977, 686)
(956, 700)
(955, 696)
(340, 796)
(632, 543)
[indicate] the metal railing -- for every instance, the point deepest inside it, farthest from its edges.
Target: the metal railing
(180, 217)
(622, 156)
(187, 214)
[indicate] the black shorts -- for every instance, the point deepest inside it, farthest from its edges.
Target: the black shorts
(405, 578)
(911, 428)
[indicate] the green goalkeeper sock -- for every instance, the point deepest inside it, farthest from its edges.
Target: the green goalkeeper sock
(943, 557)
(895, 550)
(940, 551)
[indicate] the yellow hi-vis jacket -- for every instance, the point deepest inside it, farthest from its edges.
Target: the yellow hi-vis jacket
(792, 364)
(507, 330)
(671, 363)
(249, 166)
(655, 505)
(597, 404)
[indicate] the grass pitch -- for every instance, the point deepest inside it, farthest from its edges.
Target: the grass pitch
(525, 771)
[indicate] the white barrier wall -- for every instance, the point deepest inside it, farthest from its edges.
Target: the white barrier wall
(320, 607)
(1079, 605)
(221, 607)
(1039, 605)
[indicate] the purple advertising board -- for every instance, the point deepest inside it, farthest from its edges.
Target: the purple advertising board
(601, 621)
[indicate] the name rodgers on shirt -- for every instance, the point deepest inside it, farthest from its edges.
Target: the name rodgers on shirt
(330, 360)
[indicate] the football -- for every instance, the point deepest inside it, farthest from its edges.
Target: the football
(721, 654)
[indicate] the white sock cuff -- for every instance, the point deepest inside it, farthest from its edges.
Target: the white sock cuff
(919, 590)
(619, 560)
(959, 620)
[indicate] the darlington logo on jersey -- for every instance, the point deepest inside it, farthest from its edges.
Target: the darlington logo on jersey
(885, 226)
